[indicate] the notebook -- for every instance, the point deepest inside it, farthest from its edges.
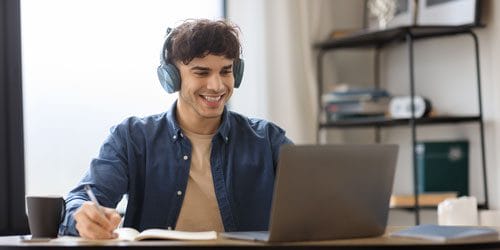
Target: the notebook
(325, 192)
(130, 234)
(448, 233)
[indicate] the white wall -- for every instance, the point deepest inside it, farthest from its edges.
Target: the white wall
(280, 61)
(251, 97)
(491, 42)
(87, 65)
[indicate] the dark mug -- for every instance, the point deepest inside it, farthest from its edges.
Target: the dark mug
(45, 213)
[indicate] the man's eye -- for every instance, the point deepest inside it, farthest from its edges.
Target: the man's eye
(201, 73)
(226, 72)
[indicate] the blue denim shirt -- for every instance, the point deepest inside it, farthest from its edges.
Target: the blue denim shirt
(149, 158)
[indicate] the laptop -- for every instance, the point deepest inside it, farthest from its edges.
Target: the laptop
(327, 192)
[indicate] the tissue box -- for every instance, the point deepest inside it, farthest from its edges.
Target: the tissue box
(443, 166)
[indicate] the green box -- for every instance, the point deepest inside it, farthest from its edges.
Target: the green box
(443, 166)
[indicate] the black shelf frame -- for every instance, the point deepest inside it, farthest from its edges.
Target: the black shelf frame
(378, 40)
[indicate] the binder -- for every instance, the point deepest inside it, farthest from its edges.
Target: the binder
(443, 166)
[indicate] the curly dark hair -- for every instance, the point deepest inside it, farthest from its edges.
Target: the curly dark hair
(200, 37)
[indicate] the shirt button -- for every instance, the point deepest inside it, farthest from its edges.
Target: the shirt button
(185, 157)
(179, 193)
(182, 135)
(175, 137)
(227, 139)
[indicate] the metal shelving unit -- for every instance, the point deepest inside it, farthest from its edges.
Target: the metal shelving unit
(378, 40)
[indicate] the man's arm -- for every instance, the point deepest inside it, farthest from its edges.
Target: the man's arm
(108, 178)
(278, 138)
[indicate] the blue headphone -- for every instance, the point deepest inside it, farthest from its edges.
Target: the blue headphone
(169, 75)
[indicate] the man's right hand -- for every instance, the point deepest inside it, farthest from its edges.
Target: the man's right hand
(92, 224)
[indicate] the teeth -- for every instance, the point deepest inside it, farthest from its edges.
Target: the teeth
(212, 98)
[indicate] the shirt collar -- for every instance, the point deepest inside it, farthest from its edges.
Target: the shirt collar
(225, 126)
(173, 125)
(176, 132)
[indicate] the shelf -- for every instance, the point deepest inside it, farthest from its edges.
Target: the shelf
(387, 122)
(380, 38)
(430, 199)
(480, 206)
(378, 41)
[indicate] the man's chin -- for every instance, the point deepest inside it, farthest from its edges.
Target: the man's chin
(212, 115)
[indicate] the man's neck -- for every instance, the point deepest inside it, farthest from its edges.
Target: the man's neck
(194, 123)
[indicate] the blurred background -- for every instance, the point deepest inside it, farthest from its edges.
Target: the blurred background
(89, 64)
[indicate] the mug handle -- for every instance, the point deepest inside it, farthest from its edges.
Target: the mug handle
(63, 211)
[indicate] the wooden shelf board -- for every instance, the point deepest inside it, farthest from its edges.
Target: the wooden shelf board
(388, 122)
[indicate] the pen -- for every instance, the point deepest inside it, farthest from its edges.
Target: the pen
(93, 198)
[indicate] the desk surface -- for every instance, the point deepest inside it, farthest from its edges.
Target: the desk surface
(383, 242)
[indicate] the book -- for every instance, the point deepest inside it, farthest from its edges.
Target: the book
(338, 117)
(443, 166)
(447, 233)
(424, 199)
(359, 107)
(342, 33)
(354, 95)
(131, 234)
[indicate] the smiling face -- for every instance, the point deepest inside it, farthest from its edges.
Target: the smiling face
(207, 83)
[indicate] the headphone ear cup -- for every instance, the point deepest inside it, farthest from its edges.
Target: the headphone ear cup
(169, 77)
(238, 68)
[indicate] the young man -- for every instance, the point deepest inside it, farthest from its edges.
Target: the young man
(196, 167)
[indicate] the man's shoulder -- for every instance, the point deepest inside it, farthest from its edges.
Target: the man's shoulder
(144, 123)
(255, 124)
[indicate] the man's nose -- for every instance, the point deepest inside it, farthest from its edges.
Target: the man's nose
(215, 83)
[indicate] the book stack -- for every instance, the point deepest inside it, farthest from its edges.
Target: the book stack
(356, 104)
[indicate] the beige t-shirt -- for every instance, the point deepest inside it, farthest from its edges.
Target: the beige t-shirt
(200, 210)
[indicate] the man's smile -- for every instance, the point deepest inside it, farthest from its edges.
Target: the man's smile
(212, 100)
